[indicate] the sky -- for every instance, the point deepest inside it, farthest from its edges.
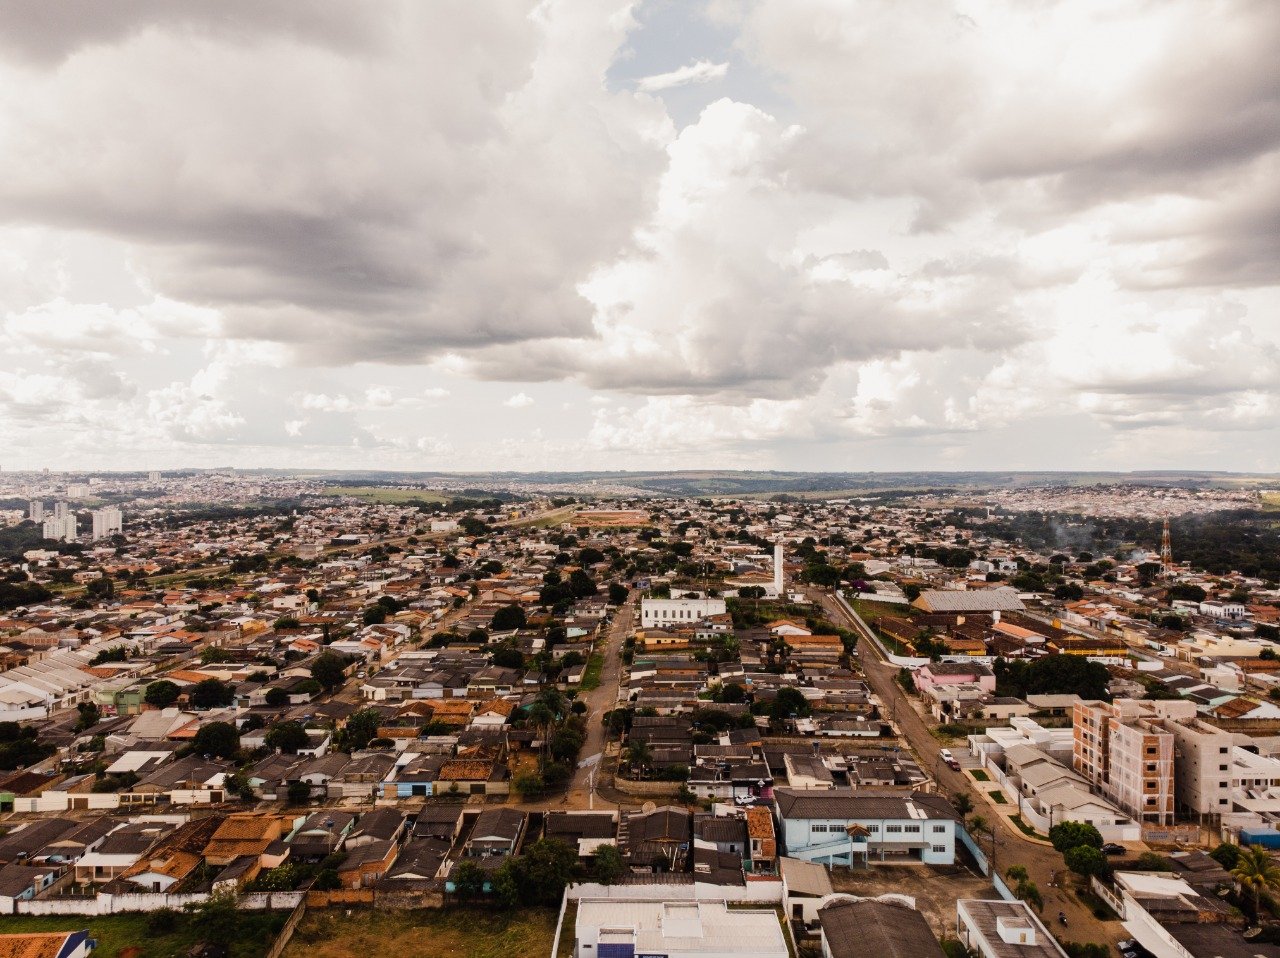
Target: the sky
(600, 234)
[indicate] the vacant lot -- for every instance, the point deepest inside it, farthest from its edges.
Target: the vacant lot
(139, 937)
(387, 496)
(934, 887)
(452, 932)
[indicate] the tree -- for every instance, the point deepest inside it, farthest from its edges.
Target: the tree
(211, 694)
(1085, 860)
(731, 693)
(212, 654)
(1068, 592)
(89, 716)
(374, 615)
(1067, 835)
(1030, 893)
(507, 618)
(617, 593)
(545, 868)
(220, 739)
(506, 884)
(1256, 873)
(217, 919)
(161, 694)
(608, 867)
(361, 728)
(330, 670)
(1226, 855)
(581, 584)
(276, 697)
(639, 756)
(287, 737)
(962, 802)
(789, 703)
(1016, 873)
(468, 880)
(508, 657)
(299, 793)
(529, 785)
(1152, 862)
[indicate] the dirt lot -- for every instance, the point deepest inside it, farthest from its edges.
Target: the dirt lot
(935, 888)
(449, 933)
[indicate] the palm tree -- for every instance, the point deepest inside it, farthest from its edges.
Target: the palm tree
(639, 756)
(1256, 873)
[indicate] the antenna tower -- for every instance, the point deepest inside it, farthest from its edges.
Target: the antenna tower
(1166, 550)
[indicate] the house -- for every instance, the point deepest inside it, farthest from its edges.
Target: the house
(241, 834)
(836, 825)
(366, 863)
(47, 944)
(120, 851)
(805, 885)
(497, 832)
(657, 841)
(22, 883)
(886, 929)
(381, 824)
(676, 929)
(320, 835)
(586, 831)
(954, 673)
(998, 929)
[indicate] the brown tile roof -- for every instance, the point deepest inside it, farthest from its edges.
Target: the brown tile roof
(458, 771)
(33, 944)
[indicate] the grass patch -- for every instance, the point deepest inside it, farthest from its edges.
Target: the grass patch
(385, 495)
(1271, 501)
(433, 933)
(115, 933)
(1025, 828)
(591, 675)
(997, 797)
(979, 775)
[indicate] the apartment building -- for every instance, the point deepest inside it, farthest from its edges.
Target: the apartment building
(107, 522)
(1202, 767)
(1126, 753)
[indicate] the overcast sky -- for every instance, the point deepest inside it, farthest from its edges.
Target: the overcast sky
(592, 234)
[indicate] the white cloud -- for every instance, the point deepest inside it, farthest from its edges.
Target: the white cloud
(701, 71)
(519, 401)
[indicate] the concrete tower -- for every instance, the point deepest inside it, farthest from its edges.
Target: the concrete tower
(777, 567)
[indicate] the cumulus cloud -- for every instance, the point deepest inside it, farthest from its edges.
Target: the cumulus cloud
(949, 220)
(701, 71)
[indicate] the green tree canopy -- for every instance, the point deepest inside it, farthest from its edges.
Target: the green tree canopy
(1067, 835)
(211, 694)
(220, 739)
(287, 737)
(161, 694)
(330, 670)
(507, 618)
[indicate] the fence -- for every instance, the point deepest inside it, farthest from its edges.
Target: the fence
(978, 854)
(1002, 889)
(271, 900)
(286, 933)
(1107, 895)
(648, 789)
(105, 903)
(764, 892)
(340, 896)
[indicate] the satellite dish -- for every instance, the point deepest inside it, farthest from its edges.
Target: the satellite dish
(648, 807)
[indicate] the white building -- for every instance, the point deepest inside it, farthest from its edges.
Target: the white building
(153, 476)
(79, 490)
(35, 510)
(62, 528)
(657, 613)
(676, 929)
(832, 826)
(60, 509)
(1000, 929)
(107, 522)
(777, 569)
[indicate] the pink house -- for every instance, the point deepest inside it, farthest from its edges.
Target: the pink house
(953, 673)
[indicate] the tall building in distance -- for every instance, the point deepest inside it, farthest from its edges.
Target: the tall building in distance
(35, 510)
(61, 528)
(777, 568)
(153, 476)
(61, 510)
(107, 521)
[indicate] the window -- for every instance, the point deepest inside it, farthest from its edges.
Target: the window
(820, 828)
(1222, 785)
(1222, 801)
(893, 829)
(1222, 768)
(1222, 751)
(939, 849)
(912, 829)
(939, 829)
(874, 829)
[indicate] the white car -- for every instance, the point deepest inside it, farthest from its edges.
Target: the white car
(946, 755)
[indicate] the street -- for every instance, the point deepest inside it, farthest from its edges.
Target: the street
(600, 700)
(1042, 862)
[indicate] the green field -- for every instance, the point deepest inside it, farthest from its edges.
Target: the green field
(453, 931)
(115, 933)
(391, 496)
(1271, 501)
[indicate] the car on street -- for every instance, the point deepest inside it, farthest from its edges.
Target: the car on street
(1111, 848)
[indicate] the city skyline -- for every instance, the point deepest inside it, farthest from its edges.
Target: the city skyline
(803, 236)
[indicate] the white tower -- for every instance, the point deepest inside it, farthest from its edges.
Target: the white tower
(777, 568)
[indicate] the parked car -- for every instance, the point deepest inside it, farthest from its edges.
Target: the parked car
(946, 755)
(1111, 848)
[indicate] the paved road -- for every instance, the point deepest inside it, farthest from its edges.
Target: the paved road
(1043, 863)
(602, 698)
